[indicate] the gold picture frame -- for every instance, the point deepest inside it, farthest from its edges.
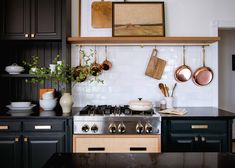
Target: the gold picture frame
(138, 19)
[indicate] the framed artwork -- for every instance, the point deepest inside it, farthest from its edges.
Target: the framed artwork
(138, 19)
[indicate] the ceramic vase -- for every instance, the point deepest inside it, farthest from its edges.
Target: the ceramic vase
(66, 102)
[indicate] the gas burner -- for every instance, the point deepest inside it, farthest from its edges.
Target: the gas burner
(108, 110)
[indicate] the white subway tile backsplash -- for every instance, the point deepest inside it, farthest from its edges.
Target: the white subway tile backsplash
(126, 80)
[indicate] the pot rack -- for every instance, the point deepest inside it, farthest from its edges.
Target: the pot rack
(143, 41)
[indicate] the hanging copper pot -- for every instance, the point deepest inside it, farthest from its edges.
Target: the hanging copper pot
(80, 72)
(106, 64)
(95, 67)
(184, 72)
(203, 75)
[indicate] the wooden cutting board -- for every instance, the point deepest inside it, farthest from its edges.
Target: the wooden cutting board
(155, 66)
(101, 14)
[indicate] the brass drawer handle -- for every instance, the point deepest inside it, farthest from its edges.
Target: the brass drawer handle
(42, 127)
(199, 126)
(4, 127)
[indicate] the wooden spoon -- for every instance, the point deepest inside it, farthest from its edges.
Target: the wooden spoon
(162, 88)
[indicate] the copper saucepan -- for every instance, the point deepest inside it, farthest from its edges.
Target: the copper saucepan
(106, 64)
(80, 72)
(203, 75)
(184, 72)
(95, 67)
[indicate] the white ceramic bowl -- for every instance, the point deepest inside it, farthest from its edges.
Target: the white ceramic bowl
(48, 95)
(20, 104)
(48, 104)
(14, 69)
(140, 105)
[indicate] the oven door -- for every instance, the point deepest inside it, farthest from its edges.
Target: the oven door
(116, 144)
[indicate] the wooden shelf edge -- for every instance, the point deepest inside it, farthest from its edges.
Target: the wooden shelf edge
(139, 40)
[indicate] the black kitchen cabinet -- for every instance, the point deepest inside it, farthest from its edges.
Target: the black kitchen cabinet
(196, 135)
(10, 151)
(31, 19)
(30, 143)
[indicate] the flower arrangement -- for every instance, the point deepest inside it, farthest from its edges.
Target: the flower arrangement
(61, 73)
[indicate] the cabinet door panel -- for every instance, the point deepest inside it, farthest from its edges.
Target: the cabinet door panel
(15, 19)
(39, 148)
(46, 19)
(10, 151)
(214, 143)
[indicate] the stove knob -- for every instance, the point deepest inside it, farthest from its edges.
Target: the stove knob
(139, 128)
(94, 128)
(148, 128)
(112, 128)
(121, 128)
(85, 128)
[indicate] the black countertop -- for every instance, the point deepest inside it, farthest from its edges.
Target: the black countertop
(57, 113)
(163, 160)
(205, 112)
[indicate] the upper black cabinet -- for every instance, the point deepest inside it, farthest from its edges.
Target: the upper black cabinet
(31, 19)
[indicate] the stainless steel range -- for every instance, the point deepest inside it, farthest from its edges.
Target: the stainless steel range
(116, 120)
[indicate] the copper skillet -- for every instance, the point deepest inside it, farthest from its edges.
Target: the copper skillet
(203, 75)
(184, 72)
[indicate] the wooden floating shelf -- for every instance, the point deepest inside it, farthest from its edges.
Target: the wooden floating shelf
(143, 40)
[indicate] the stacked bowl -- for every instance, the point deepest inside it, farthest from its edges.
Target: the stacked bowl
(48, 102)
(14, 69)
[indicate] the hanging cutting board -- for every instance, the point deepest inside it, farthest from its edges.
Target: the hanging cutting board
(101, 14)
(155, 66)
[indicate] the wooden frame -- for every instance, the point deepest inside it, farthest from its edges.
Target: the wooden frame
(138, 19)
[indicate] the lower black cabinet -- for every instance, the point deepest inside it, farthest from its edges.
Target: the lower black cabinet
(38, 148)
(10, 151)
(33, 142)
(196, 135)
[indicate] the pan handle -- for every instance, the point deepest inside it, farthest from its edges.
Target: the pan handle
(203, 56)
(183, 55)
(154, 52)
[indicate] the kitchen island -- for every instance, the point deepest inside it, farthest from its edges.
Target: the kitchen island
(163, 160)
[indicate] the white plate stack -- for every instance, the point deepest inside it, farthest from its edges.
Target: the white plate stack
(21, 106)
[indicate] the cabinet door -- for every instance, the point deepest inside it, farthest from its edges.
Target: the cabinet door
(16, 19)
(213, 143)
(39, 148)
(45, 19)
(10, 151)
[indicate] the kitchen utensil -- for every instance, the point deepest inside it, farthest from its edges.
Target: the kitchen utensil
(183, 73)
(155, 66)
(96, 68)
(203, 75)
(20, 104)
(140, 105)
(48, 104)
(101, 14)
(80, 72)
(106, 64)
(166, 90)
(162, 88)
(173, 90)
(14, 69)
(21, 108)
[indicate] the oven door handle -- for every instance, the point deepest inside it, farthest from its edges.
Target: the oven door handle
(138, 149)
(96, 149)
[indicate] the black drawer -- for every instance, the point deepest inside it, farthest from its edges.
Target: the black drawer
(44, 126)
(198, 126)
(10, 126)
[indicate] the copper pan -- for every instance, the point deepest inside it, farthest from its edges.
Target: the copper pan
(183, 73)
(203, 75)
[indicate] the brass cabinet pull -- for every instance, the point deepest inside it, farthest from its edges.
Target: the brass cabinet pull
(42, 127)
(196, 139)
(32, 35)
(199, 126)
(26, 35)
(16, 139)
(25, 139)
(4, 127)
(203, 139)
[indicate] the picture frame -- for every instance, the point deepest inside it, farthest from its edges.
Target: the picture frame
(138, 19)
